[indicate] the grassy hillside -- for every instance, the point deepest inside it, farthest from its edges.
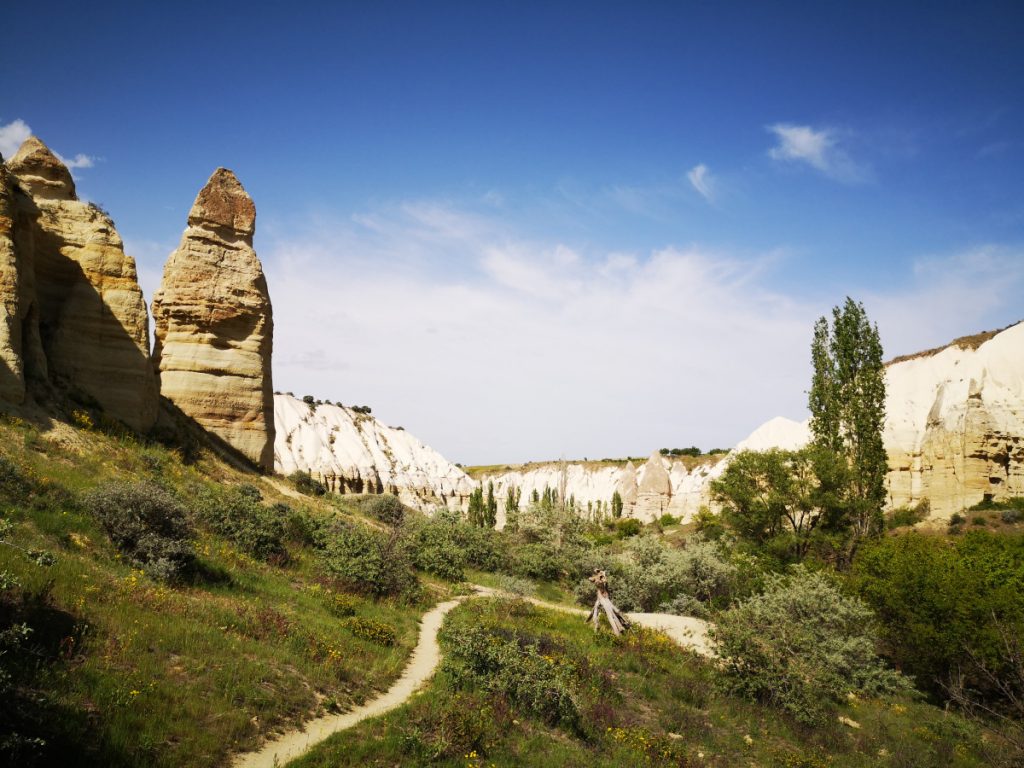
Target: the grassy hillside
(123, 669)
(571, 698)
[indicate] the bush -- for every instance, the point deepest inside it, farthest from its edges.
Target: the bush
(238, 514)
(627, 527)
(956, 519)
(979, 520)
(513, 666)
(908, 516)
(386, 507)
(942, 606)
(372, 630)
(436, 549)
(307, 484)
(147, 524)
(666, 520)
(802, 646)
(1010, 516)
(370, 561)
(340, 604)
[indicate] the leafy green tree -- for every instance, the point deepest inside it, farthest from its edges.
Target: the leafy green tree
(616, 505)
(780, 499)
(512, 509)
(477, 512)
(491, 511)
(847, 404)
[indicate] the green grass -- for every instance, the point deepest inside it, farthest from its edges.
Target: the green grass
(643, 701)
(155, 675)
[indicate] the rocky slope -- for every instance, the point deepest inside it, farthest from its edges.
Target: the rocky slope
(73, 310)
(214, 326)
(954, 432)
(353, 452)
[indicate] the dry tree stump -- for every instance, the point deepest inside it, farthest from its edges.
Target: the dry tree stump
(618, 622)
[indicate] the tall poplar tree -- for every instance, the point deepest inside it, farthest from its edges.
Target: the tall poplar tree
(847, 404)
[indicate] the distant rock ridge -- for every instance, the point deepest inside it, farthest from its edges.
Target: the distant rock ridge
(73, 314)
(954, 433)
(214, 323)
(352, 452)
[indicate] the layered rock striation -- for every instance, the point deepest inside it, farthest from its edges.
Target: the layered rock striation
(352, 452)
(214, 323)
(74, 313)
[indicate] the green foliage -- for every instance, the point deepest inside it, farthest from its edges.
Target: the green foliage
(512, 496)
(616, 505)
(783, 500)
(942, 606)
(369, 561)
(802, 646)
(988, 503)
(902, 517)
(517, 666)
(630, 526)
(490, 508)
(237, 513)
(372, 630)
(436, 546)
(385, 507)
(693, 450)
(667, 519)
(477, 510)
(305, 483)
(148, 524)
(339, 604)
(847, 404)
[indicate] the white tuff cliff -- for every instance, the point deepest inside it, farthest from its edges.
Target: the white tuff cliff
(352, 452)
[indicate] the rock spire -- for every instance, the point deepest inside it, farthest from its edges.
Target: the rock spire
(214, 325)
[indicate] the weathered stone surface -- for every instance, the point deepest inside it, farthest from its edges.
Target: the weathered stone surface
(214, 325)
(12, 310)
(352, 452)
(92, 318)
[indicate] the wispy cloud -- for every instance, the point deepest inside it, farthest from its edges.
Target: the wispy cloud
(495, 346)
(11, 136)
(14, 133)
(701, 179)
(819, 148)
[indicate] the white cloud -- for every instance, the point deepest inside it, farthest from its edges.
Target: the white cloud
(491, 346)
(818, 148)
(14, 133)
(78, 161)
(702, 181)
(11, 136)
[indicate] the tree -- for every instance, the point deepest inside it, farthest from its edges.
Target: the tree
(477, 512)
(780, 499)
(616, 504)
(847, 404)
(512, 509)
(491, 517)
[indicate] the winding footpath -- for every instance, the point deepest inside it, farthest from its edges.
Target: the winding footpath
(688, 632)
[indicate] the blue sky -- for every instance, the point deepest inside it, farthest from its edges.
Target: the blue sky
(524, 230)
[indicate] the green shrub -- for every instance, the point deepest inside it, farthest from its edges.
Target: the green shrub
(386, 507)
(667, 519)
(436, 549)
(372, 630)
(147, 524)
(340, 604)
(238, 514)
(802, 646)
(942, 606)
(979, 520)
(908, 516)
(307, 484)
(515, 666)
(369, 561)
(1010, 516)
(956, 519)
(627, 527)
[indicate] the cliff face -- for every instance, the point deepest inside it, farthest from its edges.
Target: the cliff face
(73, 308)
(353, 452)
(954, 432)
(214, 326)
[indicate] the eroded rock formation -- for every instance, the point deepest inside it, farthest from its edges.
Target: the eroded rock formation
(71, 294)
(214, 326)
(351, 452)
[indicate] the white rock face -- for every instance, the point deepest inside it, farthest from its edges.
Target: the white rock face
(954, 432)
(352, 452)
